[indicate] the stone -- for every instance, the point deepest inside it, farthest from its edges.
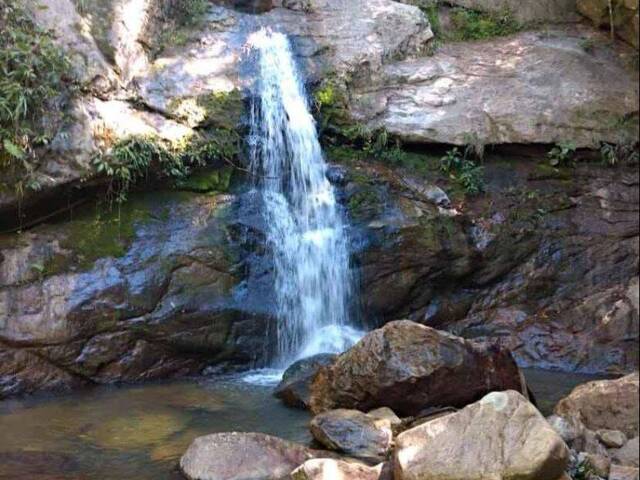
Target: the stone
(605, 404)
(612, 438)
(624, 473)
(325, 469)
(600, 464)
(385, 413)
(409, 367)
(549, 91)
(627, 455)
(353, 433)
(501, 436)
(240, 456)
(625, 17)
(293, 390)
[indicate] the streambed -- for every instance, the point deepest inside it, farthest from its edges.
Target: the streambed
(140, 432)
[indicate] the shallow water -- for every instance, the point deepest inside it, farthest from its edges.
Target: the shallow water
(140, 432)
(135, 432)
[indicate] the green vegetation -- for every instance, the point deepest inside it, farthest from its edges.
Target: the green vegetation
(613, 155)
(465, 172)
(33, 72)
(562, 154)
(180, 19)
(132, 159)
(473, 25)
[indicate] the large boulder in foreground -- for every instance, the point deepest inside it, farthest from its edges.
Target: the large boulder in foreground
(293, 390)
(410, 368)
(353, 433)
(325, 469)
(242, 456)
(502, 436)
(604, 404)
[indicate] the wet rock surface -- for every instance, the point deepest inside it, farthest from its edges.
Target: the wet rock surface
(545, 263)
(353, 433)
(158, 292)
(293, 390)
(410, 368)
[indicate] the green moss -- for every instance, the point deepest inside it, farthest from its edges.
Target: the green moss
(222, 109)
(102, 233)
(208, 181)
(364, 202)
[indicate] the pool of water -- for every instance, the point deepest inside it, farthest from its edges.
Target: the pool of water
(140, 432)
(134, 432)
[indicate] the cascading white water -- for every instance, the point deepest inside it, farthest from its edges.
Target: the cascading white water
(305, 226)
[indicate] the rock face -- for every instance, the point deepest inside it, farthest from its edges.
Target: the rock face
(526, 11)
(353, 433)
(624, 17)
(607, 404)
(409, 368)
(543, 89)
(501, 436)
(323, 469)
(241, 456)
(545, 262)
(293, 390)
(154, 293)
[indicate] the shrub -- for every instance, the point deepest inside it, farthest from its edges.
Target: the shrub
(33, 71)
(474, 25)
(562, 154)
(467, 173)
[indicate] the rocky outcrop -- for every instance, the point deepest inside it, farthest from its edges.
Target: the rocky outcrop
(409, 368)
(322, 469)
(619, 16)
(501, 436)
(353, 433)
(545, 262)
(543, 89)
(239, 456)
(293, 390)
(149, 292)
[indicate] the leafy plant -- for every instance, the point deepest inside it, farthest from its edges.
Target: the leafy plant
(33, 72)
(613, 155)
(562, 154)
(467, 173)
(474, 25)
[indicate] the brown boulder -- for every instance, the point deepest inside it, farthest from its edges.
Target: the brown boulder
(409, 368)
(242, 456)
(502, 436)
(353, 433)
(293, 390)
(605, 404)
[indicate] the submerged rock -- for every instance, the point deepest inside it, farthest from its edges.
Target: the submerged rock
(293, 390)
(501, 436)
(353, 433)
(241, 456)
(409, 368)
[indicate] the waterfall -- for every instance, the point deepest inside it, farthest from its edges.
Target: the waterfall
(305, 225)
